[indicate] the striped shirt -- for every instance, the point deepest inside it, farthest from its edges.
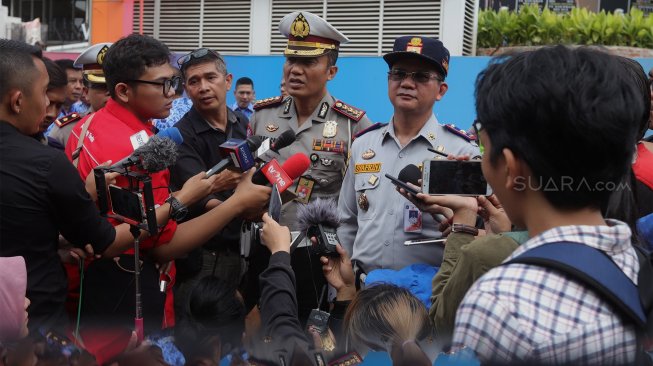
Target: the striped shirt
(522, 312)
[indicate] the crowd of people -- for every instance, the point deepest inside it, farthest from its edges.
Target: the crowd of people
(560, 136)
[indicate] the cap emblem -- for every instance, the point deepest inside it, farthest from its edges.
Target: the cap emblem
(300, 27)
(415, 45)
(445, 65)
(101, 54)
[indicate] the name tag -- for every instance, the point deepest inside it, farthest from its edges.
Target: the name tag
(139, 139)
(367, 168)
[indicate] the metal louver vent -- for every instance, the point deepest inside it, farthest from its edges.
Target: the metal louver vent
(469, 32)
(148, 17)
(226, 26)
(359, 21)
(401, 18)
(179, 24)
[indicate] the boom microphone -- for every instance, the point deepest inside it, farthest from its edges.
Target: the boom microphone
(319, 218)
(158, 153)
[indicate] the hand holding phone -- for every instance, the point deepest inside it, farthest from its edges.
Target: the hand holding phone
(401, 184)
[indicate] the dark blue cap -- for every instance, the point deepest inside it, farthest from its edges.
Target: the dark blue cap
(423, 48)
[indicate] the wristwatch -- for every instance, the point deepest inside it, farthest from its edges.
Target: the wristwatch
(462, 228)
(177, 210)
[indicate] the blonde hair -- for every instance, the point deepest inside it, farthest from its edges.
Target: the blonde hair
(386, 315)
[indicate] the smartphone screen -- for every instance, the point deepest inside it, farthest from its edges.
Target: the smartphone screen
(126, 203)
(463, 178)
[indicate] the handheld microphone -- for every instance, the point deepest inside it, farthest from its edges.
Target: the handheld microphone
(239, 152)
(276, 144)
(158, 153)
(411, 174)
(319, 218)
(282, 175)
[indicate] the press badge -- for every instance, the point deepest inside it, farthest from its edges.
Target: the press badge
(139, 139)
(412, 219)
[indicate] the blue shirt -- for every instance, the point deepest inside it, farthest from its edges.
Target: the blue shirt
(180, 107)
(247, 111)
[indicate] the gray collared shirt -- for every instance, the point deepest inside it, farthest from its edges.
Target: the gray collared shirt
(375, 236)
(327, 167)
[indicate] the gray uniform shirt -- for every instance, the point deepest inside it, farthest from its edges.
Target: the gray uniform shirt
(328, 167)
(375, 237)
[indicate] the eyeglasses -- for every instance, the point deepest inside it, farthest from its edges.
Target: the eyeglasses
(418, 76)
(477, 128)
(200, 52)
(167, 83)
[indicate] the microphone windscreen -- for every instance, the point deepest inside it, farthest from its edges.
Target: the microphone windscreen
(320, 211)
(296, 165)
(254, 142)
(158, 153)
(284, 140)
(410, 174)
(173, 134)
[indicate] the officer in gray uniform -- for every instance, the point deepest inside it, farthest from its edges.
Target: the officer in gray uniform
(324, 125)
(376, 219)
(91, 62)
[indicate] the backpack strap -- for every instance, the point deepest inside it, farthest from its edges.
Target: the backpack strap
(80, 141)
(593, 268)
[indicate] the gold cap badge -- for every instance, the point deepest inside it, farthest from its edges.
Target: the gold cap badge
(300, 27)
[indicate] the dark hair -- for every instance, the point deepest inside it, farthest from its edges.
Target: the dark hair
(213, 310)
(66, 64)
(332, 57)
(214, 56)
(128, 58)
(641, 81)
(551, 107)
(244, 81)
(58, 78)
(17, 68)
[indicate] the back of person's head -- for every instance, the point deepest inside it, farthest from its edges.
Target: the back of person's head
(244, 81)
(202, 56)
(214, 310)
(128, 59)
(390, 318)
(58, 78)
(17, 68)
(572, 115)
(67, 64)
(641, 81)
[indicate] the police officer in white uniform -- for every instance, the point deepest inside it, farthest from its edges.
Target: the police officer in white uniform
(377, 220)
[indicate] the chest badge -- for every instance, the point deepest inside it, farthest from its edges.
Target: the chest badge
(368, 154)
(326, 162)
(363, 203)
(330, 129)
(271, 127)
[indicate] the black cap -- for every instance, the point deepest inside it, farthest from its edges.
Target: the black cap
(423, 48)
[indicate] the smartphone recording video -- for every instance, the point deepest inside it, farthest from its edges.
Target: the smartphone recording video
(451, 177)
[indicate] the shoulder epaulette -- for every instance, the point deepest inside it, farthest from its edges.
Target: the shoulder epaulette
(348, 111)
(460, 132)
(268, 102)
(69, 118)
(373, 127)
